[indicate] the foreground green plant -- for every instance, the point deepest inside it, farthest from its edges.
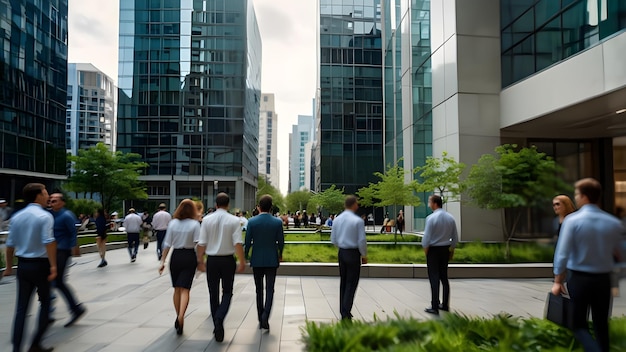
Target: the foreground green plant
(450, 333)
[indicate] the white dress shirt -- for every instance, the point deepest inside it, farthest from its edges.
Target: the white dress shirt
(182, 234)
(160, 220)
(220, 232)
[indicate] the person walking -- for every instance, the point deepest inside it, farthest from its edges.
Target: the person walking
(266, 239)
(182, 234)
(440, 239)
(348, 234)
(400, 222)
(132, 223)
(31, 239)
(159, 223)
(588, 242)
(563, 206)
(66, 238)
(220, 239)
(101, 236)
(146, 228)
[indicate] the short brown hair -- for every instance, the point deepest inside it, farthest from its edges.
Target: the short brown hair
(31, 191)
(186, 210)
(265, 203)
(222, 199)
(590, 188)
(350, 201)
(436, 199)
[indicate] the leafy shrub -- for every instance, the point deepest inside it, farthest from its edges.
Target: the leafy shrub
(450, 333)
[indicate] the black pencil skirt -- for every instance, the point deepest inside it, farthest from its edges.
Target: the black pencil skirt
(183, 267)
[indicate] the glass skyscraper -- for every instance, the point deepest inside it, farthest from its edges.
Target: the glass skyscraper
(33, 84)
(189, 79)
(350, 95)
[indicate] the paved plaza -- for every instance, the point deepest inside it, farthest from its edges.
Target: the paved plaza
(129, 307)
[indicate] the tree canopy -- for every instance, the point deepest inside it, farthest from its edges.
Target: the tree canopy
(331, 199)
(267, 188)
(441, 175)
(392, 189)
(298, 200)
(114, 176)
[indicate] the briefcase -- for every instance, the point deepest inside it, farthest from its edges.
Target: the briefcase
(558, 310)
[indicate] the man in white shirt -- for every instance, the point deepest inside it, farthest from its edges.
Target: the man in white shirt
(159, 223)
(132, 224)
(220, 239)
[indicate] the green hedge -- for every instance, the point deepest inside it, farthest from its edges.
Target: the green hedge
(450, 333)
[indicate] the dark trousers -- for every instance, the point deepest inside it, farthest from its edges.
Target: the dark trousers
(220, 269)
(133, 243)
(349, 272)
(31, 274)
(63, 255)
(590, 290)
(437, 263)
(160, 235)
(263, 310)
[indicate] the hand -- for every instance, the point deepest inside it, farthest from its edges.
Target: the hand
(8, 271)
(557, 289)
(364, 260)
(161, 268)
(53, 273)
(241, 267)
(201, 267)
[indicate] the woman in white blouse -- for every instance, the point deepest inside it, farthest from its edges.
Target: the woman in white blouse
(182, 235)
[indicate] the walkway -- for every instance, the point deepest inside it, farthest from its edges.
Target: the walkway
(129, 307)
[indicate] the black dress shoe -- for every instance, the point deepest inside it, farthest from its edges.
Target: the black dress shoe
(431, 310)
(37, 348)
(265, 324)
(444, 308)
(76, 314)
(219, 330)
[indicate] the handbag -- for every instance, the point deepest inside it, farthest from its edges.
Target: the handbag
(558, 310)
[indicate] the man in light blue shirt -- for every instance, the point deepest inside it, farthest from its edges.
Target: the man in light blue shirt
(348, 234)
(440, 239)
(31, 239)
(588, 241)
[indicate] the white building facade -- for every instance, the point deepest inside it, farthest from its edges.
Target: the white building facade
(269, 168)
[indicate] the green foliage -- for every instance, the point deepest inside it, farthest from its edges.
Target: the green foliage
(513, 179)
(265, 187)
(298, 200)
(392, 189)
(331, 199)
(112, 175)
(450, 333)
(82, 206)
(442, 175)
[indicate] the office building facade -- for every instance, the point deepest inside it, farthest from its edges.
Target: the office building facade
(91, 105)
(189, 94)
(349, 116)
(33, 88)
(268, 141)
(302, 134)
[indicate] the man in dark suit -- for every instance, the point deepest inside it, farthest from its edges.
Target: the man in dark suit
(265, 234)
(348, 234)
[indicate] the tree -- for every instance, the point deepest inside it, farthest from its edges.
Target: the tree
(514, 179)
(298, 200)
(114, 176)
(265, 187)
(392, 189)
(442, 175)
(331, 199)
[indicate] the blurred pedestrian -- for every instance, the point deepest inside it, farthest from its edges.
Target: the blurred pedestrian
(563, 206)
(182, 234)
(31, 239)
(132, 224)
(159, 223)
(266, 240)
(588, 242)
(101, 236)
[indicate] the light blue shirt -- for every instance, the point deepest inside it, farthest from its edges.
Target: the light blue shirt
(440, 230)
(588, 239)
(30, 230)
(348, 232)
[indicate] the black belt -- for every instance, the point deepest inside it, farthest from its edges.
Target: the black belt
(184, 249)
(32, 260)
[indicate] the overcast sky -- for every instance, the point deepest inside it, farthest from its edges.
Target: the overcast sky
(289, 61)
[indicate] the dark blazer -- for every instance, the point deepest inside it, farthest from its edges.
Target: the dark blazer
(265, 234)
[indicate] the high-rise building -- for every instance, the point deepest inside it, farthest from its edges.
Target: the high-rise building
(301, 134)
(189, 94)
(349, 117)
(33, 87)
(268, 141)
(91, 104)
